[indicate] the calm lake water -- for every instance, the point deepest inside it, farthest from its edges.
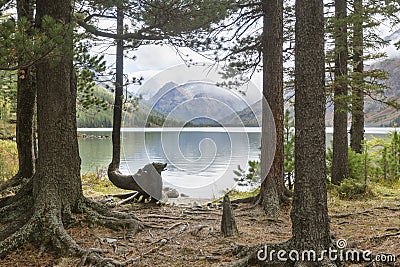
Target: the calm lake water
(200, 160)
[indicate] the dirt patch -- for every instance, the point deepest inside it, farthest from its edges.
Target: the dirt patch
(190, 235)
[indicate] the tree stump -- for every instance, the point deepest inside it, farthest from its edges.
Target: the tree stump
(228, 224)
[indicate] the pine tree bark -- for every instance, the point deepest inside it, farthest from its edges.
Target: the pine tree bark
(340, 165)
(273, 190)
(357, 111)
(310, 224)
(57, 183)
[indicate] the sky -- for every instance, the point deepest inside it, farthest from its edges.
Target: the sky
(153, 59)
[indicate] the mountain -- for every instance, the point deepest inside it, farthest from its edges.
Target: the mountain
(378, 114)
(197, 102)
(203, 104)
(395, 36)
(249, 117)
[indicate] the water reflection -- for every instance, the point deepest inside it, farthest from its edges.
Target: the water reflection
(200, 162)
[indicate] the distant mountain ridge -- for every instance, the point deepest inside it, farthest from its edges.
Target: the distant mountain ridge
(196, 102)
(205, 104)
(376, 114)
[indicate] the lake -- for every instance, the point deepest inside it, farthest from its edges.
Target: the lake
(200, 161)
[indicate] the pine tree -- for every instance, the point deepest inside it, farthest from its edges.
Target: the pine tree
(340, 164)
(310, 223)
(247, 47)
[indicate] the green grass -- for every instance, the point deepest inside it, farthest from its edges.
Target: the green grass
(387, 188)
(237, 194)
(95, 184)
(8, 159)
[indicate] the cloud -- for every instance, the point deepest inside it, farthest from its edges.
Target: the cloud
(157, 57)
(182, 74)
(163, 61)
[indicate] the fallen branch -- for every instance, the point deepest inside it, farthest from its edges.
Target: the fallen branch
(379, 237)
(87, 253)
(158, 216)
(127, 199)
(201, 212)
(174, 225)
(376, 238)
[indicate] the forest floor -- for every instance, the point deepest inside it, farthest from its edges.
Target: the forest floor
(189, 234)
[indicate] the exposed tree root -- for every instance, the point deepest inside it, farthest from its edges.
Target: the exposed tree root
(8, 210)
(12, 185)
(251, 199)
(100, 214)
(284, 198)
(345, 215)
(48, 226)
(19, 237)
(125, 196)
(127, 199)
(160, 216)
(23, 194)
(377, 238)
(93, 257)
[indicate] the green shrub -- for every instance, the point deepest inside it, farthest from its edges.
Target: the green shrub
(357, 164)
(351, 189)
(8, 159)
(251, 177)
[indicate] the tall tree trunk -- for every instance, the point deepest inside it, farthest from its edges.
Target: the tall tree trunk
(340, 165)
(119, 94)
(26, 98)
(272, 188)
(310, 223)
(57, 183)
(357, 111)
(148, 183)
